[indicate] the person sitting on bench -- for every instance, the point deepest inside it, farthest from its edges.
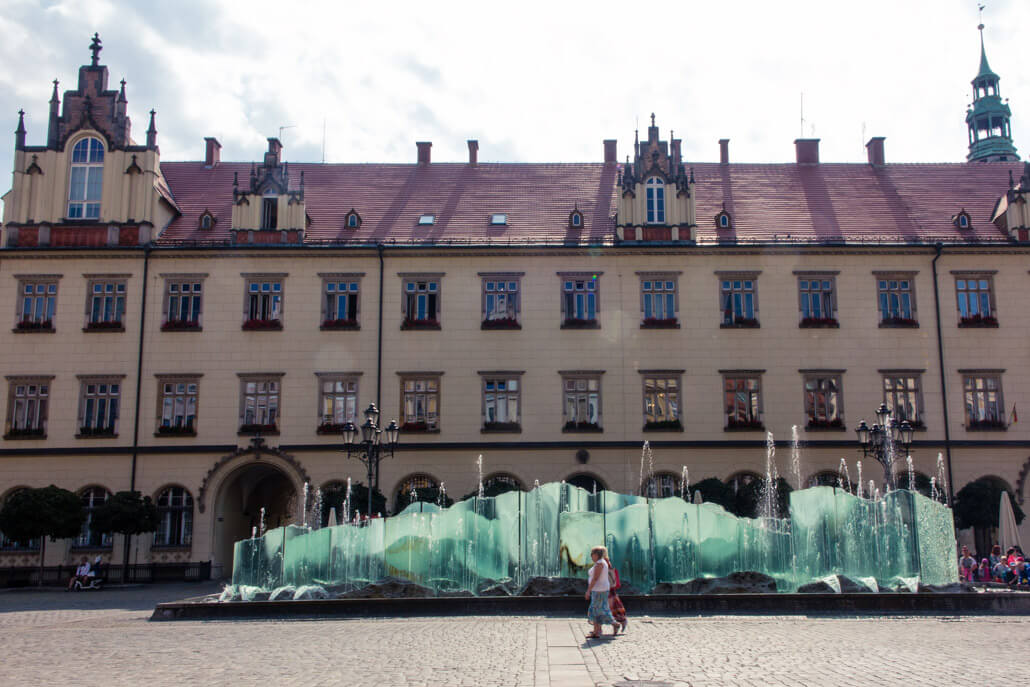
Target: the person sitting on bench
(82, 573)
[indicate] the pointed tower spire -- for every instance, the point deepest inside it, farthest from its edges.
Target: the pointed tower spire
(19, 133)
(121, 93)
(152, 132)
(988, 118)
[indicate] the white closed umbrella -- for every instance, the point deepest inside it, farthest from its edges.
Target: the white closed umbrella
(1008, 534)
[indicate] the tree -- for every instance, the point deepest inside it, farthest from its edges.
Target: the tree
(128, 513)
(39, 513)
(336, 496)
(922, 483)
(749, 500)
(977, 505)
(713, 490)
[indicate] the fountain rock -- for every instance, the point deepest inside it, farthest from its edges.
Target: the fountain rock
(952, 588)
(502, 587)
(230, 593)
(554, 586)
(837, 584)
(310, 592)
(389, 588)
(741, 582)
(282, 593)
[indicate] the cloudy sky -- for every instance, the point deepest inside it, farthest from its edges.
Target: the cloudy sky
(532, 81)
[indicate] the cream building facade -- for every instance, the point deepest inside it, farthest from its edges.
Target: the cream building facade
(199, 331)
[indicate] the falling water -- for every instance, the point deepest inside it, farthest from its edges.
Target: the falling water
(441, 499)
(318, 508)
(253, 532)
(858, 486)
(942, 476)
(795, 456)
(261, 523)
(536, 484)
(479, 467)
(911, 474)
(413, 496)
(684, 482)
(646, 457)
(872, 486)
(769, 488)
(843, 476)
(595, 488)
(304, 504)
(346, 504)
(876, 494)
(934, 494)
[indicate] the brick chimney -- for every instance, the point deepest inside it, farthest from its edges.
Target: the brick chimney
(212, 152)
(807, 150)
(275, 149)
(724, 151)
(473, 152)
(423, 151)
(610, 151)
(875, 150)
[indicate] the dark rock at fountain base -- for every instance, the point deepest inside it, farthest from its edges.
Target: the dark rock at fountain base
(744, 582)
(554, 586)
(311, 593)
(456, 594)
(283, 593)
(952, 588)
(504, 587)
(827, 586)
(261, 596)
(389, 588)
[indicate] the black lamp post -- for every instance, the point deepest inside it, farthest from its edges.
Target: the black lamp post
(877, 441)
(373, 446)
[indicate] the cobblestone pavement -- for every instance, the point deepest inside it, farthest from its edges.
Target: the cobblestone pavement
(105, 639)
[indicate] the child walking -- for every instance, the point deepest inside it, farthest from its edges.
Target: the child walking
(598, 585)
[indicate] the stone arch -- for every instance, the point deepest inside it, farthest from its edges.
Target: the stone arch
(419, 480)
(742, 478)
(665, 483)
(825, 478)
(586, 480)
(257, 450)
(506, 478)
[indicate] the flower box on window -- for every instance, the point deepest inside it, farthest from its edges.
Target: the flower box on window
(576, 323)
(417, 427)
(501, 323)
(502, 427)
(663, 426)
(986, 425)
(819, 322)
(263, 325)
(740, 323)
(331, 428)
(180, 325)
(96, 432)
(978, 321)
(186, 430)
(899, 322)
(817, 425)
(104, 326)
(410, 323)
(35, 326)
(25, 433)
(745, 426)
(255, 428)
(340, 324)
(660, 323)
(572, 426)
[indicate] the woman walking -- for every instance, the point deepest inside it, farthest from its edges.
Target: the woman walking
(614, 602)
(598, 585)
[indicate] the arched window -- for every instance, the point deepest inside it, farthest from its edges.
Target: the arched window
(661, 485)
(499, 483)
(86, 182)
(7, 544)
(586, 481)
(175, 510)
(93, 498)
(655, 201)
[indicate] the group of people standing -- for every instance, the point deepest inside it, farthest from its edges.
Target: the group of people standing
(602, 584)
(1010, 568)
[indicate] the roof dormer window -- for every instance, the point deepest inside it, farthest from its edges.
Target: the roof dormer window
(87, 179)
(723, 220)
(576, 219)
(270, 213)
(427, 219)
(353, 219)
(498, 219)
(655, 198)
(961, 220)
(207, 220)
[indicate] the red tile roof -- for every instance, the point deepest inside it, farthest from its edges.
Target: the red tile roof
(820, 202)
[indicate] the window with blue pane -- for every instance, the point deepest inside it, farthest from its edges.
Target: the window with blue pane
(183, 299)
(658, 300)
(106, 304)
(99, 403)
(975, 301)
(36, 305)
(579, 301)
(896, 301)
(655, 198)
(341, 303)
(264, 303)
(86, 179)
(818, 302)
(738, 303)
(421, 303)
(501, 301)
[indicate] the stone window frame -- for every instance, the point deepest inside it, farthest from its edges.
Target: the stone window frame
(655, 216)
(514, 322)
(570, 426)
(42, 409)
(976, 321)
(663, 276)
(193, 279)
(116, 280)
(731, 276)
(334, 428)
(999, 424)
(410, 322)
(813, 423)
(87, 165)
(756, 424)
(509, 426)
(255, 428)
(672, 425)
(254, 324)
(569, 322)
(269, 220)
(830, 320)
(99, 379)
(890, 395)
(24, 326)
(183, 513)
(896, 275)
(176, 378)
(352, 279)
(415, 427)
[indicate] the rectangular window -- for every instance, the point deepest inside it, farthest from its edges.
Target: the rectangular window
(738, 300)
(259, 405)
(501, 396)
(340, 303)
(106, 306)
(183, 301)
(36, 305)
(824, 401)
(501, 301)
(269, 213)
(975, 296)
(28, 401)
(662, 402)
(264, 304)
(658, 300)
(579, 300)
(177, 406)
(818, 300)
(581, 406)
(742, 401)
(99, 401)
(84, 191)
(896, 301)
(902, 392)
(421, 303)
(985, 408)
(420, 404)
(337, 403)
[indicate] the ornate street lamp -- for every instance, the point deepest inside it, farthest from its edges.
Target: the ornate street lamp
(884, 440)
(372, 447)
